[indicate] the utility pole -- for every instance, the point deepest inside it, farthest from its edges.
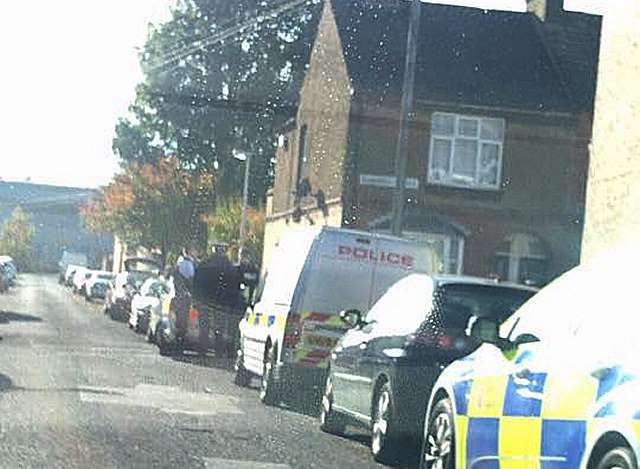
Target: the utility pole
(245, 205)
(402, 149)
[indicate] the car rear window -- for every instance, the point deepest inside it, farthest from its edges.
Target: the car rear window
(455, 304)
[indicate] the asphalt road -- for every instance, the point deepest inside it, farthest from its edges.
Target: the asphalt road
(78, 390)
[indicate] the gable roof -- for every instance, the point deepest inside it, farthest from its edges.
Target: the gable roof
(471, 56)
(28, 194)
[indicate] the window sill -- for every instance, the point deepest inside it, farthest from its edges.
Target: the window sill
(453, 185)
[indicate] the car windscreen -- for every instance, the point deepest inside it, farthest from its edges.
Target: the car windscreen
(454, 304)
(136, 279)
(141, 265)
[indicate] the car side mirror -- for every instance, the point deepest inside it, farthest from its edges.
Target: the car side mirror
(351, 317)
(485, 330)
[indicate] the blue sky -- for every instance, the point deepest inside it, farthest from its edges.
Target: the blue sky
(69, 71)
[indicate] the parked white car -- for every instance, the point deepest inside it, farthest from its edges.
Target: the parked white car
(147, 300)
(97, 284)
(80, 277)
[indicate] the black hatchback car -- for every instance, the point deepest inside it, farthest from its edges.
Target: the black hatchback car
(382, 370)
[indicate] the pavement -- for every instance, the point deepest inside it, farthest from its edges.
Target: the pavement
(78, 390)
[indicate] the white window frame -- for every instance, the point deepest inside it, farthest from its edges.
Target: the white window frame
(519, 250)
(450, 180)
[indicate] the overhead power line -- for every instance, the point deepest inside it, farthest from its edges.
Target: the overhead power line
(220, 36)
(226, 104)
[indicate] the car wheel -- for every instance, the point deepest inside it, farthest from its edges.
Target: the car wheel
(330, 420)
(622, 458)
(269, 393)
(163, 347)
(438, 449)
(243, 376)
(382, 417)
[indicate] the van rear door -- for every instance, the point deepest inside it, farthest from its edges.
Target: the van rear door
(338, 277)
(268, 318)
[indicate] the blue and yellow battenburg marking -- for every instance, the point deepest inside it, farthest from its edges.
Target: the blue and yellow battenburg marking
(265, 320)
(313, 349)
(538, 422)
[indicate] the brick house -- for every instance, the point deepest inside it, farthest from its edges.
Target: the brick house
(498, 151)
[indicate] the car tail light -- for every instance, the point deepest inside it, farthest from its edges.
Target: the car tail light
(430, 338)
(292, 331)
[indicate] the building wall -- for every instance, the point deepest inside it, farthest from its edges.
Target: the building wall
(278, 224)
(613, 194)
(544, 166)
(324, 109)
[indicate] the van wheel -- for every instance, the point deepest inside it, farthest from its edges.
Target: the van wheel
(269, 392)
(330, 420)
(382, 431)
(242, 377)
(618, 458)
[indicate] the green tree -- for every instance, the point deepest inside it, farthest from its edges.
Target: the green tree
(16, 239)
(206, 91)
(224, 227)
(159, 206)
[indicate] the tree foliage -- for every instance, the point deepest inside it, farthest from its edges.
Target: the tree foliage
(159, 206)
(16, 239)
(207, 91)
(224, 227)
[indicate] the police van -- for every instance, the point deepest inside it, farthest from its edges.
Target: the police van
(288, 333)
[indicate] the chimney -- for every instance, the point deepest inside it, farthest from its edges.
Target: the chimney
(546, 10)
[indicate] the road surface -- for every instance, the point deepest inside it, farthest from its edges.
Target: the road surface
(78, 390)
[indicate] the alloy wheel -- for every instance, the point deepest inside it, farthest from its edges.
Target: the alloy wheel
(439, 442)
(381, 422)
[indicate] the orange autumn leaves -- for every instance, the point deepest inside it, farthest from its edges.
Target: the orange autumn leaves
(159, 206)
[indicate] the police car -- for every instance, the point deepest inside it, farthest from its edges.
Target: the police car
(557, 385)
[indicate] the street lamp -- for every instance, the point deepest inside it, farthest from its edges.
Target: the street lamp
(246, 157)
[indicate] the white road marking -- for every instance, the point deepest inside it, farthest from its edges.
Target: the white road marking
(217, 463)
(168, 399)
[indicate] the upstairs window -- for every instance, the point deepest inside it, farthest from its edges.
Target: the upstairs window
(466, 151)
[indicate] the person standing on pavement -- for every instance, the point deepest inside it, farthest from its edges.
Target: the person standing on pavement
(186, 266)
(183, 275)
